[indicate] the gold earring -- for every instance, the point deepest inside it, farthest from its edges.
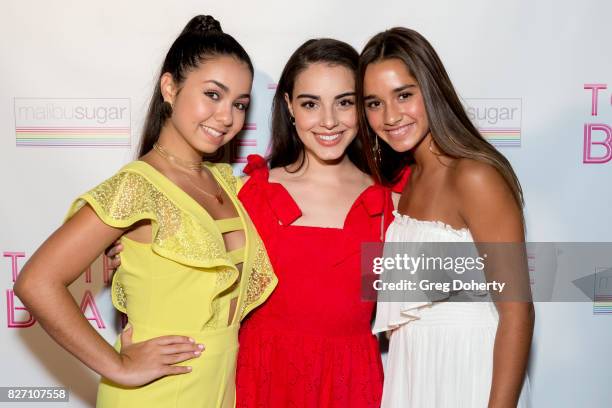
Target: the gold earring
(292, 120)
(377, 151)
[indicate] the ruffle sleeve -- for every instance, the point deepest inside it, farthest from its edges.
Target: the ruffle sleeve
(129, 197)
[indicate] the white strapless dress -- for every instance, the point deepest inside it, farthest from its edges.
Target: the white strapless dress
(440, 354)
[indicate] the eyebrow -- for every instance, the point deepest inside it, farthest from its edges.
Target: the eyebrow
(225, 88)
(396, 90)
(318, 98)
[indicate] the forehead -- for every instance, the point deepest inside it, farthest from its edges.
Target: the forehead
(225, 69)
(325, 77)
(388, 73)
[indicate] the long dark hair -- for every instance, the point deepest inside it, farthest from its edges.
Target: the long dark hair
(286, 146)
(451, 129)
(201, 39)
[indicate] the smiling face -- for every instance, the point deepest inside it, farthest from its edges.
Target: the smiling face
(209, 108)
(323, 105)
(394, 104)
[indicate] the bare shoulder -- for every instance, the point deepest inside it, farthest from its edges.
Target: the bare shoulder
(278, 175)
(472, 179)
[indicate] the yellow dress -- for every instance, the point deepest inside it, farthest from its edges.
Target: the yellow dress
(182, 283)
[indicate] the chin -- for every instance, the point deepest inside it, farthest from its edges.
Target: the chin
(401, 147)
(330, 156)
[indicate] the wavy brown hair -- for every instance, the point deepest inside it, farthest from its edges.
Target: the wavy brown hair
(451, 129)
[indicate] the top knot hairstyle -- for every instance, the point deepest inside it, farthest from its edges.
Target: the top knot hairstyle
(201, 39)
(202, 24)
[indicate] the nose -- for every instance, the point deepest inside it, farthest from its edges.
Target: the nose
(392, 114)
(224, 114)
(329, 119)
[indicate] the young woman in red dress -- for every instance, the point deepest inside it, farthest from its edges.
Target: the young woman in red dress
(310, 344)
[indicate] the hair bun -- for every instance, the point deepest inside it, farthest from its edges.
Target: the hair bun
(202, 24)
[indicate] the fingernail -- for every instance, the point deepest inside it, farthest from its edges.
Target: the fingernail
(188, 368)
(127, 326)
(191, 340)
(201, 346)
(197, 352)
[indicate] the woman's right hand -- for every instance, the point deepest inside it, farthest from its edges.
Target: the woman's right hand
(149, 360)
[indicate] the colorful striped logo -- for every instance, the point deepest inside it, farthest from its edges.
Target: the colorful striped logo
(249, 126)
(602, 305)
(498, 120)
(603, 291)
(72, 122)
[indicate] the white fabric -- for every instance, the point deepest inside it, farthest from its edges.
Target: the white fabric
(441, 354)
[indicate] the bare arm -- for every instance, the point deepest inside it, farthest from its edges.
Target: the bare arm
(43, 287)
(492, 215)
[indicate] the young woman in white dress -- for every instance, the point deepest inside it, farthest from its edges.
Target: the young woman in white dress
(458, 188)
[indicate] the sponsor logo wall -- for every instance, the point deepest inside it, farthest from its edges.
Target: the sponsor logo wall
(75, 94)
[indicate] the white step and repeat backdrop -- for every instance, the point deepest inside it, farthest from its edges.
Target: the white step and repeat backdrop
(76, 76)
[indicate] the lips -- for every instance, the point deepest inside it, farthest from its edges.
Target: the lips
(400, 130)
(328, 139)
(212, 135)
(212, 131)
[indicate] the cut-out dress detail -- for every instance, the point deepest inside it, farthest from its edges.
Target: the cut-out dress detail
(178, 284)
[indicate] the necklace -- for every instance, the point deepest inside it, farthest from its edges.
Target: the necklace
(189, 166)
(198, 165)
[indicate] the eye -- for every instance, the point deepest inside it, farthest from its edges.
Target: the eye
(241, 106)
(309, 105)
(404, 95)
(373, 104)
(346, 102)
(212, 95)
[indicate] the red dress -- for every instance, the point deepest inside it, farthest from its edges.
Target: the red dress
(310, 344)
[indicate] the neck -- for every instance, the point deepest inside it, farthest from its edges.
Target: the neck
(426, 155)
(176, 145)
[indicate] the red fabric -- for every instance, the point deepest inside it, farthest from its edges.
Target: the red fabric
(310, 343)
(402, 180)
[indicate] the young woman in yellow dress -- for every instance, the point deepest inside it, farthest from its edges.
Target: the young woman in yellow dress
(193, 265)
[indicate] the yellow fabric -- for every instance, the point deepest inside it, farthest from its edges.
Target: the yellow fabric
(237, 255)
(229, 224)
(180, 283)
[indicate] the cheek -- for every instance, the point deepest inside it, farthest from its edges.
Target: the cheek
(416, 109)
(349, 118)
(192, 108)
(239, 119)
(306, 119)
(374, 119)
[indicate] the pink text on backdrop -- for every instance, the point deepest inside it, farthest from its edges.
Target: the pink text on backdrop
(597, 134)
(19, 317)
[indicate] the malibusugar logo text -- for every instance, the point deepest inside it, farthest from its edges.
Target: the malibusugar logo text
(72, 122)
(18, 317)
(597, 135)
(497, 119)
